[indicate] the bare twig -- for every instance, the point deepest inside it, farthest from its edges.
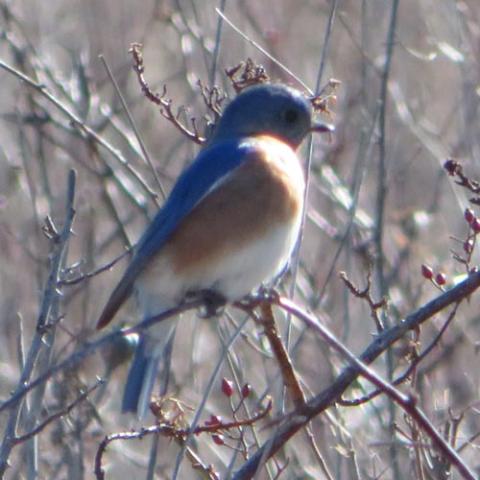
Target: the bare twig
(80, 124)
(40, 344)
(161, 100)
(300, 418)
(215, 427)
(366, 294)
(143, 147)
(87, 350)
(213, 98)
(404, 376)
(381, 198)
(261, 49)
(65, 411)
(103, 268)
(284, 362)
(163, 429)
(455, 169)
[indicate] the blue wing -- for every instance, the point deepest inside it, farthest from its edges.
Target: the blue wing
(210, 166)
(195, 182)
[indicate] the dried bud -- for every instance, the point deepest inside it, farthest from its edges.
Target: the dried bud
(427, 272)
(468, 245)
(213, 421)
(246, 390)
(218, 438)
(451, 166)
(475, 225)
(469, 215)
(227, 387)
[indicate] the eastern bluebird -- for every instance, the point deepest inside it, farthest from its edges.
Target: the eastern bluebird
(230, 223)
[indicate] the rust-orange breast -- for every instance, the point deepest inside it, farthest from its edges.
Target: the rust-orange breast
(265, 191)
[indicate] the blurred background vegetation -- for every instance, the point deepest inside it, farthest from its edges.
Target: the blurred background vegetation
(382, 167)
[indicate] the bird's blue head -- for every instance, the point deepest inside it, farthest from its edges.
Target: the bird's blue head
(270, 109)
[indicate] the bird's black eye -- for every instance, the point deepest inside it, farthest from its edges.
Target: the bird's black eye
(291, 116)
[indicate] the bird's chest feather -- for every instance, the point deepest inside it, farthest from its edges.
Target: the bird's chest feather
(243, 232)
(263, 194)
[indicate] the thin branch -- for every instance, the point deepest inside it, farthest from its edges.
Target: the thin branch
(381, 197)
(300, 418)
(366, 295)
(164, 429)
(215, 427)
(65, 411)
(133, 125)
(218, 37)
(404, 376)
(161, 100)
(80, 124)
(266, 319)
(93, 273)
(44, 328)
(455, 169)
(90, 348)
(407, 402)
(261, 49)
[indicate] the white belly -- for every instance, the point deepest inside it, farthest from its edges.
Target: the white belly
(233, 276)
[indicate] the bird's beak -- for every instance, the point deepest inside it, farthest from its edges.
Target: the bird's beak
(321, 127)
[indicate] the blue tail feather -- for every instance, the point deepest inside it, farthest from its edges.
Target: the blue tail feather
(144, 371)
(140, 381)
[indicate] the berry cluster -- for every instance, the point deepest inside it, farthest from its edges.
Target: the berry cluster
(216, 425)
(439, 279)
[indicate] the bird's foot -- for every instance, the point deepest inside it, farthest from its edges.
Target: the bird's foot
(213, 302)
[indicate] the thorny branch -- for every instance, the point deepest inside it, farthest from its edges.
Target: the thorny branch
(411, 368)
(455, 169)
(161, 100)
(299, 418)
(367, 296)
(170, 430)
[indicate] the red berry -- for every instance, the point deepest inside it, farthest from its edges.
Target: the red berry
(227, 387)
(427, 272)
(213, 421)
(451, 166)
(475, 224)
(441, 278)
(469, 215)
(246, 390)
(218, 438)
(468, 245)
